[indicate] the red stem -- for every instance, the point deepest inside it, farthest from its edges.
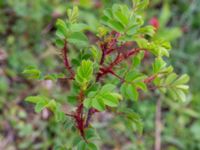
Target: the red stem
(119, 58)
(149, 79)
(103, 49)
(80, 120)
(66, 61)
(91, 111)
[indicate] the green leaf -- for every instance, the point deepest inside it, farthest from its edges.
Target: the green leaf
(141, 85)
(147, 30)
(182, 87)
(91, 134)
(87, 102)
(132, 92)
(78, 38)
(84, 72)
(43, 102)
(92, 146)
(39, 106)
(140, 4)
(167, 70)
(73, 14)
(51, 105)
(132, 29)
(123, 90)
(171, 77)
(32, 73)
(86, 3)
(159, 47)
(142, 43)
(82, 145)
(158, 65)
(119, 13)
(108, 88)
(98, 104)
(133, 119)
(134, 76)
(59, 43)
(77, 27)
(59, 115)
(60, 34)
(62, 28)
(115, 25)
(36, 99)
(95, 53)
(172, 93)
(182, 80)
(53, 76)
(104, 96)
(110, 100)
(108, 13)
(181, 95)
(137, 59)
(86, 69)
(165, 15)
(33, 99)
(129, 91)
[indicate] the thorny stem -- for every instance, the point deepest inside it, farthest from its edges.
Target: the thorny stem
(79, 118)
(106, 48)
(103, 49)
(119, 58)
(149, 79)
(66, 61)
(109, 46)
(91, 111)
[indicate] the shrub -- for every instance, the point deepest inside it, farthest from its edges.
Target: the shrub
(108, 66)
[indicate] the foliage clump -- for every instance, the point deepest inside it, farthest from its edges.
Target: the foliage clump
(106, 67)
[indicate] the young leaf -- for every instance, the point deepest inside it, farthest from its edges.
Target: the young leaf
(78, 27)
(182, 80)
(82, 145)
(78, 38)
(165, 15)
(115, 25)
(36, 99)
(73, 14)
(84, 72)
(98, 104)
(51, 105)
(32, 73)
(132, 92)
(119, 13)
(62, 28)
(110, 100)
(108, 88)
(59, 43)
(181, 95)
(39, 106)
(87, 102)
(59, 115)
(92, 146)
(158, 65)
(147, 30)
(171, 77)
(104, 96)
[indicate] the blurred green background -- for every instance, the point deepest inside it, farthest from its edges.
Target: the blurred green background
(26, 38)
